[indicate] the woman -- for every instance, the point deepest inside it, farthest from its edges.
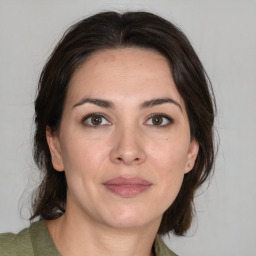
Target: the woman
(124, 134)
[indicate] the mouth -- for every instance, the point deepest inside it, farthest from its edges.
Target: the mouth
(127, 187)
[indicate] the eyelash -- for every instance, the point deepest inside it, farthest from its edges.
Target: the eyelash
(168, 118)
(99, 115)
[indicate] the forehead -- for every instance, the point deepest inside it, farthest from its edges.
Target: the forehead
(124, 73)
(129, 58)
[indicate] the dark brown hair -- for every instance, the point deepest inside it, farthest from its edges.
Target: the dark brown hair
(111, 30)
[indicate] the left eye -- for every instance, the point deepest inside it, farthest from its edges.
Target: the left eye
(95, 120)
(159, 120)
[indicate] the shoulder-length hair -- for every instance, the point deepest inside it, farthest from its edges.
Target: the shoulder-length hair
(112, 30)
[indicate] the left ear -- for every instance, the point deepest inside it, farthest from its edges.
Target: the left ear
(55, 150)
(191, 156)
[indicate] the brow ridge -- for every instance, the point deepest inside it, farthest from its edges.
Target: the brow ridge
(144, 105)
(98, 102)
(159, 101)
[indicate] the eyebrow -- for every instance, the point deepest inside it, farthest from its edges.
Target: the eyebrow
(159, 101)
(110, 104)
(98, 102)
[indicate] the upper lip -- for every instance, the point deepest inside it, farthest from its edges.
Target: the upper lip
(127, 181)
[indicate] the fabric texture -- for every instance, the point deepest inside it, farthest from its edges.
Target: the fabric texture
(36, 241)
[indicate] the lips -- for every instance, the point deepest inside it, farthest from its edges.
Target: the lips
(127, 187)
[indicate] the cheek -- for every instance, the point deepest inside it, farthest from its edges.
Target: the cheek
(170, 171)
(169, 161)
(170, 153)
(82, 161)
(83, 154)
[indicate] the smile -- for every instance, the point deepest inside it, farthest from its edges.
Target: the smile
(127, 187)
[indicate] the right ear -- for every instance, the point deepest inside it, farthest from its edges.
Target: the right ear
(55, 149)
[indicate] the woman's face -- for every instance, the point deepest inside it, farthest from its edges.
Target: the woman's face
(124, 139)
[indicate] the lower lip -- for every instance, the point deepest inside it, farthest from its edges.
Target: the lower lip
(127, 190)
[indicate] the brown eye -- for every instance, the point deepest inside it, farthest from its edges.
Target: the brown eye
(94, 120)
(157, 120)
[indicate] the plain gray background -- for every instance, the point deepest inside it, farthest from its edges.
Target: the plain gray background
(224, 35)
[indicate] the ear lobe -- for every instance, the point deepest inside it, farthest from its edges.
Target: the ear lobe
(192, 155)
(55, 150)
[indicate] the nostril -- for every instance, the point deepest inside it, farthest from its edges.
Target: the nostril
(120, 159)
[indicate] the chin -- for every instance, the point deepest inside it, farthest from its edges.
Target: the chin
(131, 219)
(129, 223)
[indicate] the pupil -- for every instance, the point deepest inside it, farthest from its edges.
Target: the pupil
(157, 120)
(96, 120)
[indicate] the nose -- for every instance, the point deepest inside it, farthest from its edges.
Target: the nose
(128, 147)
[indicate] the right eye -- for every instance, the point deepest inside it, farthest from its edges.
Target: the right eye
(95, 120)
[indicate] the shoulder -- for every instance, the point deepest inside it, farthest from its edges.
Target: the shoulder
(161, 249)
(14, 244)
(8, 244)
(34, 240)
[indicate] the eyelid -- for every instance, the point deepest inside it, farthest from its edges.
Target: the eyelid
(169, 118)
(95, 114)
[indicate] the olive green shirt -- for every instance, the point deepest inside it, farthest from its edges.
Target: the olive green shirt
(36, 241)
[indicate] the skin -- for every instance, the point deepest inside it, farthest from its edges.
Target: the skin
(127, 142)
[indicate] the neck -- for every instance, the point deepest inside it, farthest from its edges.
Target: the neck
(82, 236)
